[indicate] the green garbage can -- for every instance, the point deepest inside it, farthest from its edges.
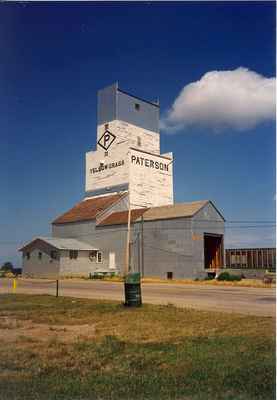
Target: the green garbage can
(132, 290)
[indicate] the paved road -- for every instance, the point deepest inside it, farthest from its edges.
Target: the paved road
(254, 301)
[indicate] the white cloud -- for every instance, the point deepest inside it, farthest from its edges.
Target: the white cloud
(238, 99)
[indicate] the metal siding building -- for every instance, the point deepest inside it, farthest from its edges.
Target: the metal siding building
(165, 241)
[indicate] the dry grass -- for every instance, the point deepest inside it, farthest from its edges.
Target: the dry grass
(13, 330)
(63, 348)
(258, 283)
(255, 283)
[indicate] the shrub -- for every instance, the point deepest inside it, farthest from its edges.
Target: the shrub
(226, 276)
(9, 275)
(7, 267)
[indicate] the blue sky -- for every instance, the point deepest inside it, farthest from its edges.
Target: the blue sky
(54, 58)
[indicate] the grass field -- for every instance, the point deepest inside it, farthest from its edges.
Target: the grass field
(69, 349)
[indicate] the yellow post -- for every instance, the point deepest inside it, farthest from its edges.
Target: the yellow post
(14, 285)
(127, 260)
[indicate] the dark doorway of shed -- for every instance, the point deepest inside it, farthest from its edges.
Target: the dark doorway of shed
(213, 250)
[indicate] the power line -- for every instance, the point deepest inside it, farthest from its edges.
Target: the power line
(251, 222)
(154, 230)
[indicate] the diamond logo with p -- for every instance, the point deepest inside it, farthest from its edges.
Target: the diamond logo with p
(106, 140)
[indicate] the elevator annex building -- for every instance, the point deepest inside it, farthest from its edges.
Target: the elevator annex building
(126, 169)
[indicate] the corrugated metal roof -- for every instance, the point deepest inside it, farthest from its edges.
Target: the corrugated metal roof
(121, 217)
(62, 243)
(175, 210)
(156, 213)
(87, 209)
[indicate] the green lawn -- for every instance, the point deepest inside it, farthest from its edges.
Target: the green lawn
(85, 349)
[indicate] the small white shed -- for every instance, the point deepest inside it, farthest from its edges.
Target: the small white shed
(53, 257)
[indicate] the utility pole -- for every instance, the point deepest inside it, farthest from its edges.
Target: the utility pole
(128, 241)
(142, 248)
(127, 254)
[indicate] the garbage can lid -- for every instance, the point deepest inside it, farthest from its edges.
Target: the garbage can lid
(133, 277)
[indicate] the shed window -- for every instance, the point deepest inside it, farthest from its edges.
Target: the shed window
(99, 256)
(40, 255)
(54, 254)
(28, 255)
(73, 254)
(137, 106)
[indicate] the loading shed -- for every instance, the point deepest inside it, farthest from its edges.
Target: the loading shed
(184, 240)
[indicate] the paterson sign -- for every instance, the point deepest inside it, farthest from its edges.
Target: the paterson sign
(145, 162)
